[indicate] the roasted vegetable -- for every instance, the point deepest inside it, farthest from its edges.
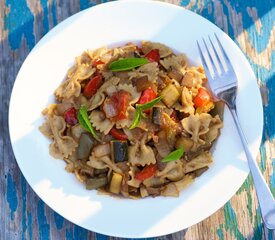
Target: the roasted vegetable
(142, 83)
(119, 150)
(94, 183)
(70, 116)
(170, 95)
(218, 109)
(86, 143)
(157, 115)
(147, 172)
(202, 99)
(115, 184)
(185, 143)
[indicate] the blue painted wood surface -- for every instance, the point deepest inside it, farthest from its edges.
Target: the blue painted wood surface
(251, 24)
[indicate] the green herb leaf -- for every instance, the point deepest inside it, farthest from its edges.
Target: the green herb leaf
(84, 121)
(173, 156)
(141, 107)
(137, 118)
(150, 104)
(127, 64)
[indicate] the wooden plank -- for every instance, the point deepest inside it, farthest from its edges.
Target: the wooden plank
(23, 23)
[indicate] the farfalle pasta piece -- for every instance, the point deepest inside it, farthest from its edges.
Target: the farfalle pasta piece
(102, 163)
(201, 161)
(164, 51)
(100, 122)
(135, 95)
(84, 71)
(50, 110)
(172, 171)
(127, 122)
(133, 182)
(186, 101)
(46, 130)
(61, 145)
(150, 70)
(176, 62)
(154, 182)
(97, 53)
(193, 78)
(197, 125)
(76, 131)
(140, 154)
(99, 97)
(69, 88)
(214, 129)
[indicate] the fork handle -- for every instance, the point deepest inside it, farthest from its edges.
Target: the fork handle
(265, 197)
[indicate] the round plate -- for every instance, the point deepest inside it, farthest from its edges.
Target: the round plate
(113, 24)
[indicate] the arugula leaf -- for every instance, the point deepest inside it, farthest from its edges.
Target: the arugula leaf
(141, 107)
(84, 121)
(173, 156)
(127, 64)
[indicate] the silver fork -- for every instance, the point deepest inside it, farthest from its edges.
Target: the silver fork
(224, 84)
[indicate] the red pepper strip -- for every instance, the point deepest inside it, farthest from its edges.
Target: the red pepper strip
(202, 98)
(147, 172)
(117, 134)
(147, 96)
(153, 55)
(70, 116)
(92, 86)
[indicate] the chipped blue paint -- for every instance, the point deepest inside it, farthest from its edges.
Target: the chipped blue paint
(19, 23)
(69, 234)
(45, 15)
(53, 9)
(24, 194)
(44, 227)
(11, 195)
(59, 220)
(30, 225)
(220, 232)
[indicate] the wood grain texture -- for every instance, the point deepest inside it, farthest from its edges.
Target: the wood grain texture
(251, 24)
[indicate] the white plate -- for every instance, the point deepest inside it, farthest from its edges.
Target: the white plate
(45, 68)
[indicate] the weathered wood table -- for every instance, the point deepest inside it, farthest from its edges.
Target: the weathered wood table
(251, 24)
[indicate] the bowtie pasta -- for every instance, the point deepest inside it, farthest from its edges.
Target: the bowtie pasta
(134, 121)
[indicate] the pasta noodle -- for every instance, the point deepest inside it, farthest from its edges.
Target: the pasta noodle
(131, 121)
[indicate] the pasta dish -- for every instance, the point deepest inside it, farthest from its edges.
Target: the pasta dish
(133, 121)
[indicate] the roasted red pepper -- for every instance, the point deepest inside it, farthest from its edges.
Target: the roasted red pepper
(202, 98)
(153, 55)
(147, 96)
(92, 86)
(116, 106)
(70, 116)
(147, 172)
(118, 134)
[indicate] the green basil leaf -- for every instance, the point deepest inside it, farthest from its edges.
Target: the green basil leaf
(141, 107)
(137, 118)
(173, 156)
(127, 64)
(150, 104)
(84, 121)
